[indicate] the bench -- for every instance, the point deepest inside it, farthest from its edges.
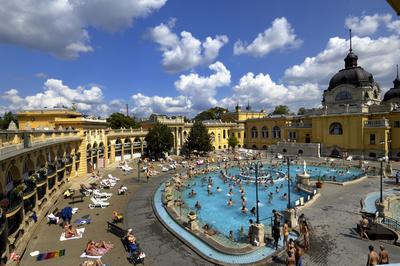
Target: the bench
(77, 198)
(116, 230)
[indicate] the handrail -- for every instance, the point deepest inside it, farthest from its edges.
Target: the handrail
(391, 223)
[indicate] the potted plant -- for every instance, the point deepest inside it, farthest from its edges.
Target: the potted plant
(319, 183)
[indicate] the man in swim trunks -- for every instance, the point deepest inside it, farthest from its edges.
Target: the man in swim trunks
(373, 258)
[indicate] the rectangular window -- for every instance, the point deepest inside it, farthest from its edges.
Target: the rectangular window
(239, 135)
(292, 135)
(372, 139)
(396, 123)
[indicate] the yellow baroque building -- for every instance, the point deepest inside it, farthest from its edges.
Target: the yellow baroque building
(353, 121)
(218, 130)
(50, 147)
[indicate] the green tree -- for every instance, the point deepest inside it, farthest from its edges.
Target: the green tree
(301, 111)
(159, 140)
(233, 142)
(281, 110)
(6, 119)
(198, 139)
(118, 120)
(211, 114)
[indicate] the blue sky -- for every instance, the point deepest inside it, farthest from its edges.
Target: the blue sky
(104, 54)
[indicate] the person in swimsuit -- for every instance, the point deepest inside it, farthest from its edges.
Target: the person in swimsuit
(383, 256)
(373, 258)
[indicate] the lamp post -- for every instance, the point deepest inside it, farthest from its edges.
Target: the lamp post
(381, 177)
(256, 166)
(288, 180)
(138, 169)
(258, 218)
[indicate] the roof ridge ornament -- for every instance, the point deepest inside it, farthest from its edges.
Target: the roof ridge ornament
(351, 48)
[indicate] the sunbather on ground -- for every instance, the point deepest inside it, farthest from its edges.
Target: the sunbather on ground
(70, 231)
(98, 248)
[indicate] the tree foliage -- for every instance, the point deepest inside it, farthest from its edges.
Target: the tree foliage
(214, 113)
(159, 140)
(281, 110)
(198, 139)
(6, 119)
(233, 142)
(118, 120)
(301, 111)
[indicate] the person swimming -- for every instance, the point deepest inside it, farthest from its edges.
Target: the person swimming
(230, 202)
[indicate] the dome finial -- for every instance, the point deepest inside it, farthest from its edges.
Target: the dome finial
(351, 48)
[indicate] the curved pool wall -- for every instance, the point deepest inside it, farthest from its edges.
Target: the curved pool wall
(201, 247)
(371, 198)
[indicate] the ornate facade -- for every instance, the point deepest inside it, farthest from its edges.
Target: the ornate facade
(352, 121)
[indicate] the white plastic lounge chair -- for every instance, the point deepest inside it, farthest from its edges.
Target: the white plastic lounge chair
(98, 203)
(110, 176)
(165, 169)
(122, 190)
(101, 195)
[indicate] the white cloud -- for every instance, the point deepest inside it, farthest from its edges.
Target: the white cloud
(367, 25)
(202, 90)
(279, 36)
(377, 56)
(185, 51)
(55, 94)
(263, 93)
(41, 75)
(147, 105)
(59, 27)
(196, 93)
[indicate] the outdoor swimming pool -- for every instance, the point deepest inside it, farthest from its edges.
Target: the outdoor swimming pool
(222, 218)
(326, 173)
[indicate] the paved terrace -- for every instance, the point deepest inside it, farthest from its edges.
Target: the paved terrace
(160, 246)
(333, 218)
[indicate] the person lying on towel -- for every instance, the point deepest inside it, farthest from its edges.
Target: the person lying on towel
(70, 231)
(97, 248)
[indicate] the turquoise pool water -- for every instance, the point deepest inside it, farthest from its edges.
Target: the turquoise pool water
(326, 173)
(201, 246)
(215, 211)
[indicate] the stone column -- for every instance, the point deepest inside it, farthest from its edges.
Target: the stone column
(258, 234)
(112, 152)
(290, 217)
(192, 222)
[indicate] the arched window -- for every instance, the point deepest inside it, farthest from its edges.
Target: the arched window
(335, 129)
(276, 132)
(264, 132)
(254, 133)
(300, 152)
(254, 147)
(212, 136)
(335, 153)
(343, 96)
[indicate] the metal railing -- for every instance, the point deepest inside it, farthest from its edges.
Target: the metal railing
(14, 202)
(376, 123)
(391, 223)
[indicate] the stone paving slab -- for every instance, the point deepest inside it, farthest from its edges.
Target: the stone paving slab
(333, 218)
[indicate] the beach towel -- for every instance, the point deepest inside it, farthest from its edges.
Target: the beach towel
(80, 231)
(84, 255)
(50, 255)
(83, 221)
